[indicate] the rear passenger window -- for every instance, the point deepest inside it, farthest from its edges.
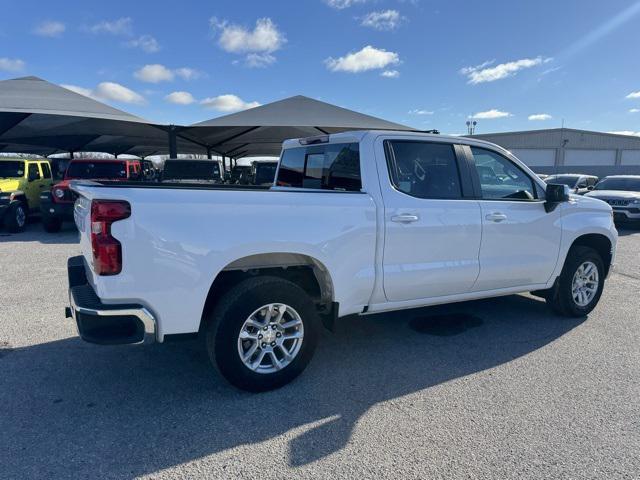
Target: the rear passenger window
(327, 167)
(46, 171)
(424, 170)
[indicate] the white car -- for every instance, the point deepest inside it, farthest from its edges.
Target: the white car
(356, 223)
(622, 192)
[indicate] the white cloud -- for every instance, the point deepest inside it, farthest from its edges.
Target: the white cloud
(369, 58)
(484, 73)
(383, 20)
(146, 43)
(540, 116)
(258, 44)
(180, 98)
(634, 95)
(342, 4)
(121, 26)
(11, 64)
(109, 91)
(49, 28)
(418, 111)
(634, 110)
(259, 60)
(187, 73)
(154, 73)
(626, 132)
(491, 114)
(390, 74)
(228, 103)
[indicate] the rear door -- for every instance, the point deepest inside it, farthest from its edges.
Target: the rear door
(34, 184)
(432, 222)
(520, 240)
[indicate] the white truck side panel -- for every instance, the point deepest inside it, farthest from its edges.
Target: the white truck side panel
(178, 240)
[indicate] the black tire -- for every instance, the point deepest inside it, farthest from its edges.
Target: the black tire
(52, 224)
(560, 298)
(13, 216)
(227, 318)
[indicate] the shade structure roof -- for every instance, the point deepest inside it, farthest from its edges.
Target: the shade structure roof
(40, 117)
(261, 130)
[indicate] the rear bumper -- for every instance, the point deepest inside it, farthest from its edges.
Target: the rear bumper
(105, 324)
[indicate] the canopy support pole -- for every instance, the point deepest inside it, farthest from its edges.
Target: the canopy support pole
(173, 144)
(209, 153)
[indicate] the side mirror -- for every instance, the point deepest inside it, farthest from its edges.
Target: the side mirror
(590, 187)
(555, 194)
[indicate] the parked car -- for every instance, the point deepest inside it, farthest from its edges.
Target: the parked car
(21, 184)
(56, 205)
(359, 223)
(542, 176)
(240, 175)
(263, 173)
(622, 192)
(190, 171)
(577, 182)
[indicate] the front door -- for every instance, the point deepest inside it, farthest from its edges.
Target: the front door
(520, 240)
(432, 227)
(34, 182)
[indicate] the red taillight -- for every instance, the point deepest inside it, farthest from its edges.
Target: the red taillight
(107, 251)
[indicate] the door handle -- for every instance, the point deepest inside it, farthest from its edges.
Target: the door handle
(496, 217)
(405, 218)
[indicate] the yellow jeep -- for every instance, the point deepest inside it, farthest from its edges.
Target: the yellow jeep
(22, 181)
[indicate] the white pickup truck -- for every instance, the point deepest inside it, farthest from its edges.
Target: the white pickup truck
(356, 223)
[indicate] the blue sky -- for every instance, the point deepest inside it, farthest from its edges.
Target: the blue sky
(514, 65)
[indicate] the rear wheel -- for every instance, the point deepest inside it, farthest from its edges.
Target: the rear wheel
(15, 219)
(52, 224)
(263, 333)
(579, 287)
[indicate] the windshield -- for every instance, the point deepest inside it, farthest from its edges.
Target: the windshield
(11, 169)
(629, 184)
(96, 170)
(568, 180)
(185, 170)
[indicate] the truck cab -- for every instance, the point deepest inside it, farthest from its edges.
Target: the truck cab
(57, 204)
(22, 181)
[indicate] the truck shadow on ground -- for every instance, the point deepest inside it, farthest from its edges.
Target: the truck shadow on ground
(71, 408)
(34, 232)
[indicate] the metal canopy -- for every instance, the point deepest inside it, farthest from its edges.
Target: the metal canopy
(261, 130)
(37, 116)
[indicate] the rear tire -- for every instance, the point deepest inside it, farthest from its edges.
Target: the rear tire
(579, 287)
(15, 219)
(52, 224)
(279, 354)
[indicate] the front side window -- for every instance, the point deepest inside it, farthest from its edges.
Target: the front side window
(500, 178)
(334, 166)
(424, 170)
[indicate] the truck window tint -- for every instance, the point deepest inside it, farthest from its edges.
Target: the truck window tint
(500, 178)
(424, 170)
(46, 171)
(328, 167)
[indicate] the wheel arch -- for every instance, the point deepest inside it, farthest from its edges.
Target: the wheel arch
(306, 271)
(600, 243)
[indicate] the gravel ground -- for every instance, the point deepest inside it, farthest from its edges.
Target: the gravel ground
(511, 392)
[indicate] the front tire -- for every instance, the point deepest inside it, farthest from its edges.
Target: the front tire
(15, 219)
(262, 334)
(579, 286)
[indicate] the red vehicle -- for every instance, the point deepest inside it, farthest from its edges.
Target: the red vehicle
(57, 205)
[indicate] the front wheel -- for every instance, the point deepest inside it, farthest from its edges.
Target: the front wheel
(16, 217)
(263, 333)
(579, 287)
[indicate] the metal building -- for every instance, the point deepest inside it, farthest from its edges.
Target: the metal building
(566, 150)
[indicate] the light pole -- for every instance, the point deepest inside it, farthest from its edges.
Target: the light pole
(471, 127)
